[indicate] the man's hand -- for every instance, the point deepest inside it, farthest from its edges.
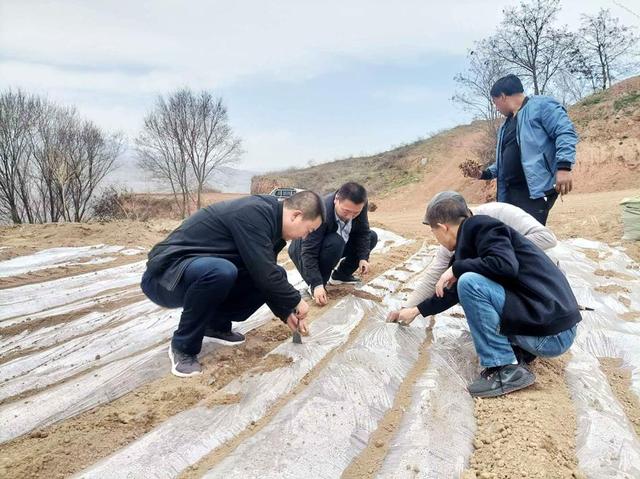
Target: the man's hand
(301, 310)
(296, 323)
(363, 267)
(320, 295)
(404, 316)
(564, 182)
(446, 281)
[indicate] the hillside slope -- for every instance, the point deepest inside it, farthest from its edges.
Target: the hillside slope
(608, 156)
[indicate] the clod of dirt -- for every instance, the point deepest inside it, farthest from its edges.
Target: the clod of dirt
(631, 316)
(223, 399)
(607, 273)
(272, 362)
(612, 288)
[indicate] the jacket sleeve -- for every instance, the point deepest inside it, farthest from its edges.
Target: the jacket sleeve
(560, 129)
(496, 258)
(426, 284)
(256, 250)
(521, 221)
(435, 305)
(310, 253)
(362, 234)
(491, 172)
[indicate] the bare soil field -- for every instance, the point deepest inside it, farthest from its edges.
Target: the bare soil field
(531, 433)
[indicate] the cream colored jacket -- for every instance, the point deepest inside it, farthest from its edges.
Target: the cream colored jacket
(519, 220)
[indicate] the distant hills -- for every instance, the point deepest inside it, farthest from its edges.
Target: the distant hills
(127, 174)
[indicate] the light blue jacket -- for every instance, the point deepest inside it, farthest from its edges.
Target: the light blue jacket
(547, 139)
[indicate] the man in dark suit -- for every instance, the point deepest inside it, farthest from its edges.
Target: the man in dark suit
(345, 233)
(518, 304)
(220, 266)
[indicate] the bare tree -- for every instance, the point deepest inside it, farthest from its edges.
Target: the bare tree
(89, 159)
(51, 162)
(184, 140)
(528, 41)
(161, 152)
(483, 70)
(607, 48)
(18, 115)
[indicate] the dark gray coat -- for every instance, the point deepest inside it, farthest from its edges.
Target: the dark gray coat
(247, 232)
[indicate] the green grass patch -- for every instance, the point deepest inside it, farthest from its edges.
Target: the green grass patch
(593, 99)
(626, 101)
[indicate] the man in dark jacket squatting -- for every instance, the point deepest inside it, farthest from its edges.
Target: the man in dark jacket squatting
(518, 304)
(220, 266)
(345, 233)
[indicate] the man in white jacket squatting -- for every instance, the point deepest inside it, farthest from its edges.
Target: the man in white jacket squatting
(512, 216)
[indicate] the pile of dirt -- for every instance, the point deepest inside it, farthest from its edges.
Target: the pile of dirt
(529, 433)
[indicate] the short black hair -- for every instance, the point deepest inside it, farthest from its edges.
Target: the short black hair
(447, 207)
(309, 202)
(352, 191)
(509, 85)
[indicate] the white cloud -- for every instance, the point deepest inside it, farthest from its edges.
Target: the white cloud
(110, 57)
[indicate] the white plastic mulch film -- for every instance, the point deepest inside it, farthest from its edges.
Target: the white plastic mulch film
(187, 437)
(17, 304)
(84, 362)
(65, 256)
(321, 431)
(388, 240)
(604, 279)
(631, 218)
(435, 436)
(386, 351)
(101, 385)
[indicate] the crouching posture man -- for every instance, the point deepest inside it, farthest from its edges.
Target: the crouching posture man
(345, 233)
(514, 297)
(220, 266)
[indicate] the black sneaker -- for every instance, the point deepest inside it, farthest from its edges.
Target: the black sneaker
(340, 278)
(184, 365)
(501, 380)
(522, 355)
(229, 338)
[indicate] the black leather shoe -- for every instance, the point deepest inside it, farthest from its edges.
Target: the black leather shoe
(501, 380)
(230, 338)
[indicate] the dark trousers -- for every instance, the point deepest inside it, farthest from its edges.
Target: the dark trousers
(212, 293)
(333, 249)
(538, 208)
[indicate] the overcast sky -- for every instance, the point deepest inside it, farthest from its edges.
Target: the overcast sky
(302, 80)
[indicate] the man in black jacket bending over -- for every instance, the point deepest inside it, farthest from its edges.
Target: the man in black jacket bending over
(517, 302)
(345, 233)
(220, 266)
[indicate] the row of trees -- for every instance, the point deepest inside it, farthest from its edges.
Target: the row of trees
(549, 58)
(51, 160)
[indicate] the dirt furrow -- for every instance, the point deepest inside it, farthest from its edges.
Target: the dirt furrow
(101, 431)
(529, 433)
(369, 461)
(64, 271)
(620, 381)
(215, 456)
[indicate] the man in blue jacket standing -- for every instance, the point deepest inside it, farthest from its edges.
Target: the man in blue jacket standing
(536, 149)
